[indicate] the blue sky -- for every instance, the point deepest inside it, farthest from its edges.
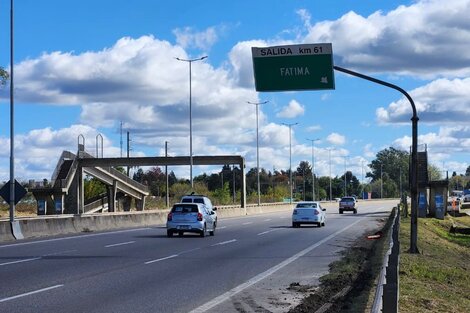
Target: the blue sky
(83, 67)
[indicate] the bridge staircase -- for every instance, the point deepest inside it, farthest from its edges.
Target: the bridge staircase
(62, 194)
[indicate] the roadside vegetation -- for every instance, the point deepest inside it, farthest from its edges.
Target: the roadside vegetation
(438, 278)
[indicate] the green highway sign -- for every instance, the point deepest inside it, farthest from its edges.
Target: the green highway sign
(294, 67)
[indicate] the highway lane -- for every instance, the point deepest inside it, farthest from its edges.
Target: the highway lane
(141, 270)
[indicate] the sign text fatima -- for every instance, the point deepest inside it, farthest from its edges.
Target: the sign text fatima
(294, 67)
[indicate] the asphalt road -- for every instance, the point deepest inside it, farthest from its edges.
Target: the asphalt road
(247, 265)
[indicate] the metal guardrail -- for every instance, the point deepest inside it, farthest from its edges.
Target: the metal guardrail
(386, 294)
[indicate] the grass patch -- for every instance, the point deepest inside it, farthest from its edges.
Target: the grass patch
(437, 279)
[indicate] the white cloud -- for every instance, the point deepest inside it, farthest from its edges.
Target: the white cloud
(188, 38)
(34, 149)
(336, 139)
(442, 101)
(423, 39)
(314, 128)
(293, 109)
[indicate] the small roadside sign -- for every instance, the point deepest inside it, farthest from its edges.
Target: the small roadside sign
(293, 67)
(20, 192)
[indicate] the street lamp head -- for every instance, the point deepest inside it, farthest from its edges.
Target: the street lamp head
(192, 60)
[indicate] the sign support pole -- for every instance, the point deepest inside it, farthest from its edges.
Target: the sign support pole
(414, 155)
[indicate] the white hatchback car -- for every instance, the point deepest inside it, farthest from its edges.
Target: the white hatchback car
(308, 212)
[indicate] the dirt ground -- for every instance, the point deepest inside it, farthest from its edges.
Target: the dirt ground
(350, 284)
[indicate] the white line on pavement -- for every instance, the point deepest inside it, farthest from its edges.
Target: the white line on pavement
(247, 223)
(20, 261)
(30, 293)
(267, 220)
(74, 237)
(222, 227)
(268, 231)
(162, 259)
(120, 244)
(223, 243)
(227, 295)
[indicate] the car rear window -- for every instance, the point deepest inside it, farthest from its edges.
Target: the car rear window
(306, 205)
(347, 199)
(184, 209)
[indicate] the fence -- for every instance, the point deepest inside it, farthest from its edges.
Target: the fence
(386, 295)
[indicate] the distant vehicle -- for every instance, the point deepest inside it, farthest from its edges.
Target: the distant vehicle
(193, 198)
(191, 218)
(453, 204)
(347, 204)
(308, 212)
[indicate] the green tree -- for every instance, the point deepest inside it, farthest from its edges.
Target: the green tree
(222, 195)
(93, 188)
(391, 162)
(434, 172)
(4, 76)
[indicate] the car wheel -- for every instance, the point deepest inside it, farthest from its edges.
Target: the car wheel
(169, 233)
(294, 225)
(180, 233)
(203, 232)
(323, 224)
(340, 211)
(355, 211)
(212, 232)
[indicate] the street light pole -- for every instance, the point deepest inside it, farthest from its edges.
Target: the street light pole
(345, 177)
(167, 196)
(329, 158)
(381, 181)
(290, 157)
(313, 167)
(257, 147)
(190, 61)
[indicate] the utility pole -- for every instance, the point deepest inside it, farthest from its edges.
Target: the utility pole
(128, 149)
(120, 141)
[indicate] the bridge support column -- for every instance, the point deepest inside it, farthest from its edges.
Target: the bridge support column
(140, 203)
(58, 203)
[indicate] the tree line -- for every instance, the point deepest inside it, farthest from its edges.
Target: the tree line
(387, 178)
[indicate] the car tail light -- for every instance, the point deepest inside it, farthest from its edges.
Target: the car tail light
(316, 212)
(295, 212)
(199, 216)
(170, 216)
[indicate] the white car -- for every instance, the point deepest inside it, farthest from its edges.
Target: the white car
(193, 198)
(308, 212)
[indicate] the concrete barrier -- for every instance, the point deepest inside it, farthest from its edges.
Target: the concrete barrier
(69, 224)
(5, 231)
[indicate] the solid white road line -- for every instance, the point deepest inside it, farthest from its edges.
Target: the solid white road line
(247, 223)
(224, 297)
(120, 244)
(162, 259)
(222, 227)
(29, 293)
(20, 261)
(224, 243)
(267, 220)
